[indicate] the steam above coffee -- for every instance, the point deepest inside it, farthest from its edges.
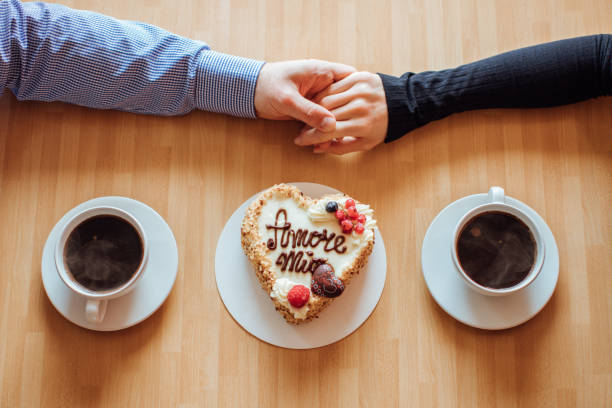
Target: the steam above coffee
(103, 252)
(496, 249)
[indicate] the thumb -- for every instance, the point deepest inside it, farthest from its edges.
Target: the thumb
(310, 113)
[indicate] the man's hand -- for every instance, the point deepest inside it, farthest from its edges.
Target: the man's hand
(284, 90)
(359, 105)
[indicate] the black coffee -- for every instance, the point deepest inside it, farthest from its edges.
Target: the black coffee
(103, 252)
(496, 249)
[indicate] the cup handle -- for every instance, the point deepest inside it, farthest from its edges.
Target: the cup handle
(496, 195)
(95, 310)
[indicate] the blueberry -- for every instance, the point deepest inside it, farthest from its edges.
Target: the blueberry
(331, 207)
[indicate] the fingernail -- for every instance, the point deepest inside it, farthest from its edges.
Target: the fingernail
(298, 141)
(328, 124)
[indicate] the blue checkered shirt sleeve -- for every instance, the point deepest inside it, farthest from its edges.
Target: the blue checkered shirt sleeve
(50, 52)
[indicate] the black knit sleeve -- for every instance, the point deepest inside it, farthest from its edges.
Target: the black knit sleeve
(550, 74)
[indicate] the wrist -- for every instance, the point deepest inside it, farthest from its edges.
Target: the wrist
(401, 117)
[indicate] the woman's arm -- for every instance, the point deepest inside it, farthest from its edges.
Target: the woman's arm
(549, 74)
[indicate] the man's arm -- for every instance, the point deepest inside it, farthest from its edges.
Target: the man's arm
(53, 53)
(49, 52)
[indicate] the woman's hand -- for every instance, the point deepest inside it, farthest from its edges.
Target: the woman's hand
(360, 108)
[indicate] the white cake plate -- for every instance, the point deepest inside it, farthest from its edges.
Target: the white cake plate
(253, 309)
(150, 292)
(466, 305)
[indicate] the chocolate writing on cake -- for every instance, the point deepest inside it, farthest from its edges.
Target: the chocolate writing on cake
(297, 257)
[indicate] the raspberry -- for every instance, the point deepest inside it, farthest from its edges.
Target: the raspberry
(298, 296)
(347, 226)
(340, 215)
(361, 219)
(352, 212)
(359, 228)
(349, 203)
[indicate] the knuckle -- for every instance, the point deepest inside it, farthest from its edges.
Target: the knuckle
(323, 73)
(362, 89)
(363, 75)
(369, 77)
(358, 75)
(366, 127)
(311, 112)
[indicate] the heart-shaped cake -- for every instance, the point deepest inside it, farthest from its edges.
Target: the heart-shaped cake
(305, 251)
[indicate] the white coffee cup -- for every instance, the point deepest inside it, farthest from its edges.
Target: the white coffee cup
(95, 307)
(497, 202)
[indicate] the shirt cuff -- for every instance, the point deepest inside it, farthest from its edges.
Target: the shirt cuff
(226, 84)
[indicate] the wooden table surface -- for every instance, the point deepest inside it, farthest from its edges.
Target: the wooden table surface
(195, 170)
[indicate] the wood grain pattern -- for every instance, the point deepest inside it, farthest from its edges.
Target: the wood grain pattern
(195, 170)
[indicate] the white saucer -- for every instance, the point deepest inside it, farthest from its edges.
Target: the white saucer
(466, 305)
(252, 308)
(150, 292)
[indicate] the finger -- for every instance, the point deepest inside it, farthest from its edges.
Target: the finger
(341, 71)
(315, 136)
(344, 146)
(331, 102)
(300, 108)
(324, 74)
(337, 69)
(337, 87)
(353, 110)
(322, 147)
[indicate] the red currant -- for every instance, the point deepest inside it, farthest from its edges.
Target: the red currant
(347, 226)
(359, 228)
(340, 215)
(352, 212)
(361, 219)
(349, 203)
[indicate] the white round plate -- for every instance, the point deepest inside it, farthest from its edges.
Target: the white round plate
(253, 309)
(466, 305)
(150, 292)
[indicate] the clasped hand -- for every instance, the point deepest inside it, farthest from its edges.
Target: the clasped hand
(343, 110)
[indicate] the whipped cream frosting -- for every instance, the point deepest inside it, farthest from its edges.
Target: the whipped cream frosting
(279, 292)
(318, 214)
